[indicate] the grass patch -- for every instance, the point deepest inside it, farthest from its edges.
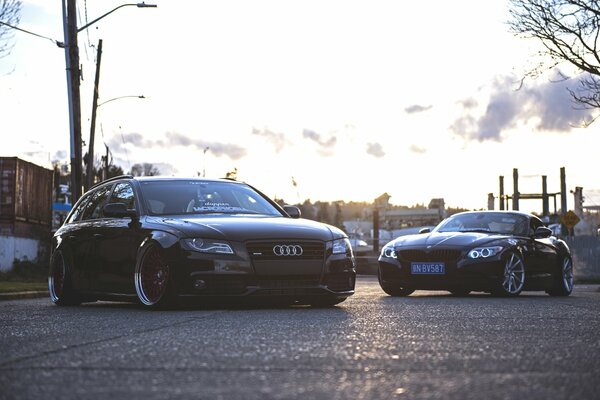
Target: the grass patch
(11, 287)
(24, 277)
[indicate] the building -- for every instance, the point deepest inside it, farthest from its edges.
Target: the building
(25, 212)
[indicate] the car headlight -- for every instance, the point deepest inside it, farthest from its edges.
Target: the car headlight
(388, 251)
(342, 246)
(209, 246)
(484, 252)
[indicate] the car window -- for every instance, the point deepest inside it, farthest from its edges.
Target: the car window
(203, 197)
(123, 193)
(503, 223)
(93, 209)
(534, 224)
(78, 210)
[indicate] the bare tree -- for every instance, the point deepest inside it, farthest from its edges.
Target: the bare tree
(10, 11)
(569, 31)
(144, 169)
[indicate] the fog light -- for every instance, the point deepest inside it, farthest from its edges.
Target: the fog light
(199, 284)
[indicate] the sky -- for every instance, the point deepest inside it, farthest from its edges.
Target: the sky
(348, 99)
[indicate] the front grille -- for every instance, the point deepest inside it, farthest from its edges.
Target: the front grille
(441, 255)
(262, 251)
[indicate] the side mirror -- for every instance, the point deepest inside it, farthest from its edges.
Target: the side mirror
(119, 210)
(424, 230)
(542, 232)
(292, 211)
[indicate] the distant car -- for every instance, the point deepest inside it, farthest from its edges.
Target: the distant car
(158, 240)
(359, 246)
(501, 252)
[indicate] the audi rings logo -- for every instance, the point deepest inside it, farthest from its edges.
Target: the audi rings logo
(285, 250)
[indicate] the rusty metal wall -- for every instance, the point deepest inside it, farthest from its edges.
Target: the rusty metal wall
(25, 194)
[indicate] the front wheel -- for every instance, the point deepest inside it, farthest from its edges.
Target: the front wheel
(152, 277)
(513, 277)
(60, 285)
(563, 285)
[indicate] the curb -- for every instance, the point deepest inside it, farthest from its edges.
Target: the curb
(23, 295)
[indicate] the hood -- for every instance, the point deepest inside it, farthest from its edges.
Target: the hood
(447, 239)
(242, 228)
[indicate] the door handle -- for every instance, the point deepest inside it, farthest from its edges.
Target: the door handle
(98, 235)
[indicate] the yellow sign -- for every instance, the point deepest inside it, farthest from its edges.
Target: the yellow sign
(569, 219)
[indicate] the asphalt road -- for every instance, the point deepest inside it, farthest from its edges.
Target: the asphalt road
(428, 346)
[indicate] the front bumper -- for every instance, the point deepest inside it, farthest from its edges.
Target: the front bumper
(201, 275)
(474, 275)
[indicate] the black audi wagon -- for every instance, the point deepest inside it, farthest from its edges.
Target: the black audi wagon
(158, 240)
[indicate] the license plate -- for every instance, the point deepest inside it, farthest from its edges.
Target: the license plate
(428, 268)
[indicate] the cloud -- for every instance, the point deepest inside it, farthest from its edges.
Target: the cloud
(174, 139)
(468, 103)
(326, 145)
(416, 108)
(60, 155)
(549, 105)
(417, 149)
(277, 139)
(375, 149)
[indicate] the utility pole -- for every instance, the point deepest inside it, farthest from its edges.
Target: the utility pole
(73, 77)
(90, 160)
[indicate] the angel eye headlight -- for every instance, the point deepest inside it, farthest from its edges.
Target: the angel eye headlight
(209, 246)
(388, 251)
(484, 252)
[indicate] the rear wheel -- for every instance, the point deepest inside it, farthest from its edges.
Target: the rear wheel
(513, 277)
(152, 277)
(60, 285)
(563, 285)
(393, 290)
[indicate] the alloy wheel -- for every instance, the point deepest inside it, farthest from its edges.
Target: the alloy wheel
(567, 274)
(56, 278)
(514, 275)
(152, 276)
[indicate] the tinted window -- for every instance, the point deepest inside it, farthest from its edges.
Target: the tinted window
(123, 193)
(504, 223)
(535, 223)
(78, 210)
(203, 197)
(93, 209)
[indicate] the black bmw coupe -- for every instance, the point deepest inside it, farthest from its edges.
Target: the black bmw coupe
(160, 240)
(500, 252)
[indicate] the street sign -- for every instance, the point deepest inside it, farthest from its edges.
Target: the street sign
(569, 219)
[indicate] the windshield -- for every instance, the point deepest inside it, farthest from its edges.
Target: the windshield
(503, 223)
(203, 197)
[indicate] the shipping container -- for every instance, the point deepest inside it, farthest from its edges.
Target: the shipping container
(26, 192)
(25, 211)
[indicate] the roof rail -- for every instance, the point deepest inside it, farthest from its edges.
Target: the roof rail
(114, 178)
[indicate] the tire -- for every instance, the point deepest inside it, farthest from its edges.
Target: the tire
(460, 292)
(563, 285)
(395, 291)
(60, 284)
(512, 280)
(152, 278)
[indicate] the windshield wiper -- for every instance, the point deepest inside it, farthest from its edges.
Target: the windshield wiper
(482, 230)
